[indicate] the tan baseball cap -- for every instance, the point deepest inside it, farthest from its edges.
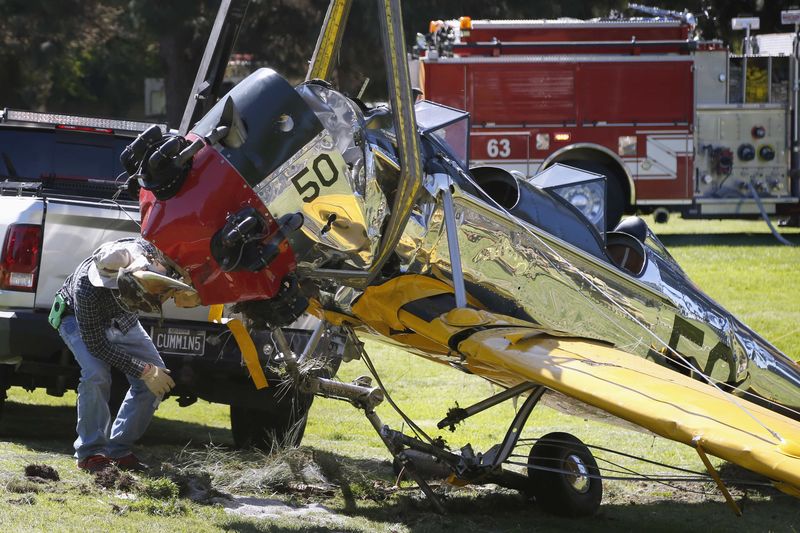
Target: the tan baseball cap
(110, 258)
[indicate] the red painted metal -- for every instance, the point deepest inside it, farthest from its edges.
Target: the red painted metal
(554, 30)
(595, 93)
(182, 228)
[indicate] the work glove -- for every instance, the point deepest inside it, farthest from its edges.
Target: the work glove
(157, 380)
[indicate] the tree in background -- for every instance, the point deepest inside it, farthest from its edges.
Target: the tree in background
(179, 30)
(91, 56)
(70, 55)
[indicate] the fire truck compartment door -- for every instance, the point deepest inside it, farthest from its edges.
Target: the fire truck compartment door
(710, 76)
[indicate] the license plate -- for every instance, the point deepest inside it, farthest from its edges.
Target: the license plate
(179, 341)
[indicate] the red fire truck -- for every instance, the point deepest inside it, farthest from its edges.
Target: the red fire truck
(640, 100)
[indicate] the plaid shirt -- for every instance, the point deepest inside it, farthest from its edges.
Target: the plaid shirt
(97, 309)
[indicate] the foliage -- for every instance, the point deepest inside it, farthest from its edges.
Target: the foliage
(91, 56)
(70, 55)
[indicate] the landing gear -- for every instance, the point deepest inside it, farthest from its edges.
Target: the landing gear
(564, 476)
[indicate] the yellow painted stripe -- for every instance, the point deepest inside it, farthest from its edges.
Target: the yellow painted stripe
(215, 313)
(248, 349)
(329, 40)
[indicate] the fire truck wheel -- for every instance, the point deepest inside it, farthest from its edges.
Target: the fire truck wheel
(615, 194)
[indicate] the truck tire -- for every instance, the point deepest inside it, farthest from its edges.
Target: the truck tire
(615, 192)
(283, 423)
(268, 430)
(5, 382)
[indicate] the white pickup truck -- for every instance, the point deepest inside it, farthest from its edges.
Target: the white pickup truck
(58, 179)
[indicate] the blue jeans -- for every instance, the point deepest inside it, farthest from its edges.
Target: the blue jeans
(96, 432)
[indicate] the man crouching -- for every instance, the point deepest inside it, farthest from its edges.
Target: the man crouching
(100, 325)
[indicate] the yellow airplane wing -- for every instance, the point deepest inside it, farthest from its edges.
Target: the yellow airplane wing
(510, 351)
(649, 395)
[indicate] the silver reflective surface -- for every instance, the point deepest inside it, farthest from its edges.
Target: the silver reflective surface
(512, 266)
(515, 268)
(332, 182)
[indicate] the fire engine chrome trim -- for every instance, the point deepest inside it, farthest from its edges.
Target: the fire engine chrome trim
(573, 23)
(603, 124)
(607, 58)
(553, 158)
(493, 133)
(490, 125)
(569, 44)
(666, 132)
(729, 107)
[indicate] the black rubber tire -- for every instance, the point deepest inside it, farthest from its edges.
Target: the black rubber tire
(268, 430)
(5, 382)
(615, 193)
(282, 423)
(556, 492)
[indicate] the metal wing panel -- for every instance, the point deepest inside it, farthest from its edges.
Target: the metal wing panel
(634, 389)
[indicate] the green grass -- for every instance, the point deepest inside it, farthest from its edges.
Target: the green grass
(738, 263)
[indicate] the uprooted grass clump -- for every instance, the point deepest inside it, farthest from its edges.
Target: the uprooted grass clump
(42, 471)
(113, 478)
(219, 470)
(159, 489)
(171, 507)
(160, 497)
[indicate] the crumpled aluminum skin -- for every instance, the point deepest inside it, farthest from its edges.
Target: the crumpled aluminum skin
(515, 267)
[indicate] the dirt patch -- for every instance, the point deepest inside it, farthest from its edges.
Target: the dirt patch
(126, 482)
(113, 478)
(22, 486)
(107, 477)
(44, 472)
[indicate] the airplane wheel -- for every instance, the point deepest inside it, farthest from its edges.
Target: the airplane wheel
(572, 491)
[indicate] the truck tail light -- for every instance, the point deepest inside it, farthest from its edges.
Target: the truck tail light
(19, 263)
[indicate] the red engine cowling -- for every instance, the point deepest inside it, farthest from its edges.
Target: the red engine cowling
(199, 202)
(184, 225)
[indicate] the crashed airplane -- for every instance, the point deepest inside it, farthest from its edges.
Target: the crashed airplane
(284, 200)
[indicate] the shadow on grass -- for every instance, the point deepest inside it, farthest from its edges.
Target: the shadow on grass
(675, 240)
(513, 513)
(496, 509)
(52, 429)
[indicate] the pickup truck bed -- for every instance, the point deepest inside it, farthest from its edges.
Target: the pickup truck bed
(57, 204)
